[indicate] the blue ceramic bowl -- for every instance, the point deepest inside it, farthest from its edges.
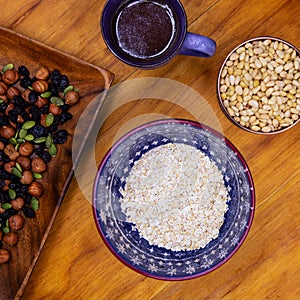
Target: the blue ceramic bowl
(122, 237)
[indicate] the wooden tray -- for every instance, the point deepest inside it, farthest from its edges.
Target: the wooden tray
(91, 81)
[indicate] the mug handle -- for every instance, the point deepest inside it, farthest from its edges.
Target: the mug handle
(198, 45)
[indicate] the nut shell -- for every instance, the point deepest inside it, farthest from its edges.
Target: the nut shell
(38, 165)
(7, 131)
(10, 77)
(26, 149)
(40, 86)
(36, 189)
(11, 238)
(27, 177)
(16, 222)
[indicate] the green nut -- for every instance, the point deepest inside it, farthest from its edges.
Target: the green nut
(12, 194)
(52, 150)
(49, 119)
(46, 94)
(68, 89)
(22, 133)
(5, 230)
(6, 206)
(40, 140)
(8, 67)
(29, 137)
(35, 203)
(57, 101)
(27, 125)
(15, 171)
(49, 141)
(37, 175)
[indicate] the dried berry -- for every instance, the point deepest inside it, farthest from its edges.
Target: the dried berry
(60, 136)
(23, 71)
(28, 211)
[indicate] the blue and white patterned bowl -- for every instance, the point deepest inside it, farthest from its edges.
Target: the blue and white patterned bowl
(123, 239)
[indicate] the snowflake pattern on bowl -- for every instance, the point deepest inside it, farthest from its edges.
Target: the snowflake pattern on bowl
(123, 239)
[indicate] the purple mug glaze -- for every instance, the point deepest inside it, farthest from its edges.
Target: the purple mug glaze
(183, 42)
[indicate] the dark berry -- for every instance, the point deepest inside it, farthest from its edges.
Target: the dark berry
(60, 136)
(37, 131)
(64, 117)
(8, 213)
(28, 212)
(23, 71)
(2, 197)
(44, 110)
(64, 82)
(3, 120)
(33, 96)
(53, 128)
(25, 82)
(53, 88)
(21, 102)
(46, 157)
(3, 106)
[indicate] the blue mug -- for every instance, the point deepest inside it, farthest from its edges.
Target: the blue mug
(149, 33)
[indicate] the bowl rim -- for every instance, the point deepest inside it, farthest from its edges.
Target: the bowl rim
(221, 103)
(228, 144)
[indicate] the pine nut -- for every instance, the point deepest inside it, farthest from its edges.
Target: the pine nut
(260, 86)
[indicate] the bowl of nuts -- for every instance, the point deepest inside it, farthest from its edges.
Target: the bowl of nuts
(173, 199)
(258, 85)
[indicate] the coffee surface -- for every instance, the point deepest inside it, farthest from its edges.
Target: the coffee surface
(145, 29)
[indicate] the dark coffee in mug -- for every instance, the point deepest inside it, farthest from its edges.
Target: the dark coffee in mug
(144, 28)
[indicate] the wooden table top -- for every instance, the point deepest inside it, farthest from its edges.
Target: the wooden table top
(75, 263)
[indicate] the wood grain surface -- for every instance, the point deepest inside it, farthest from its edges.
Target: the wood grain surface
(75, 263)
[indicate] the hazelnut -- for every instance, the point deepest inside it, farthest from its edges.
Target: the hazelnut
(4, 256)
(16, 222)
(12, 92)
(25, 95)
(2, 146)
(54, 109)
(7, 131)
(41, 102)
(17, 203)
(3, 88)
(8, 166)
(10, 77)
(27, 177)
(24, 162)
(35, 189)
(42, 73)
(40, 86)
(38, 165)
(26, 149)
(10, 238)
(11, 152)
(72, 98)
